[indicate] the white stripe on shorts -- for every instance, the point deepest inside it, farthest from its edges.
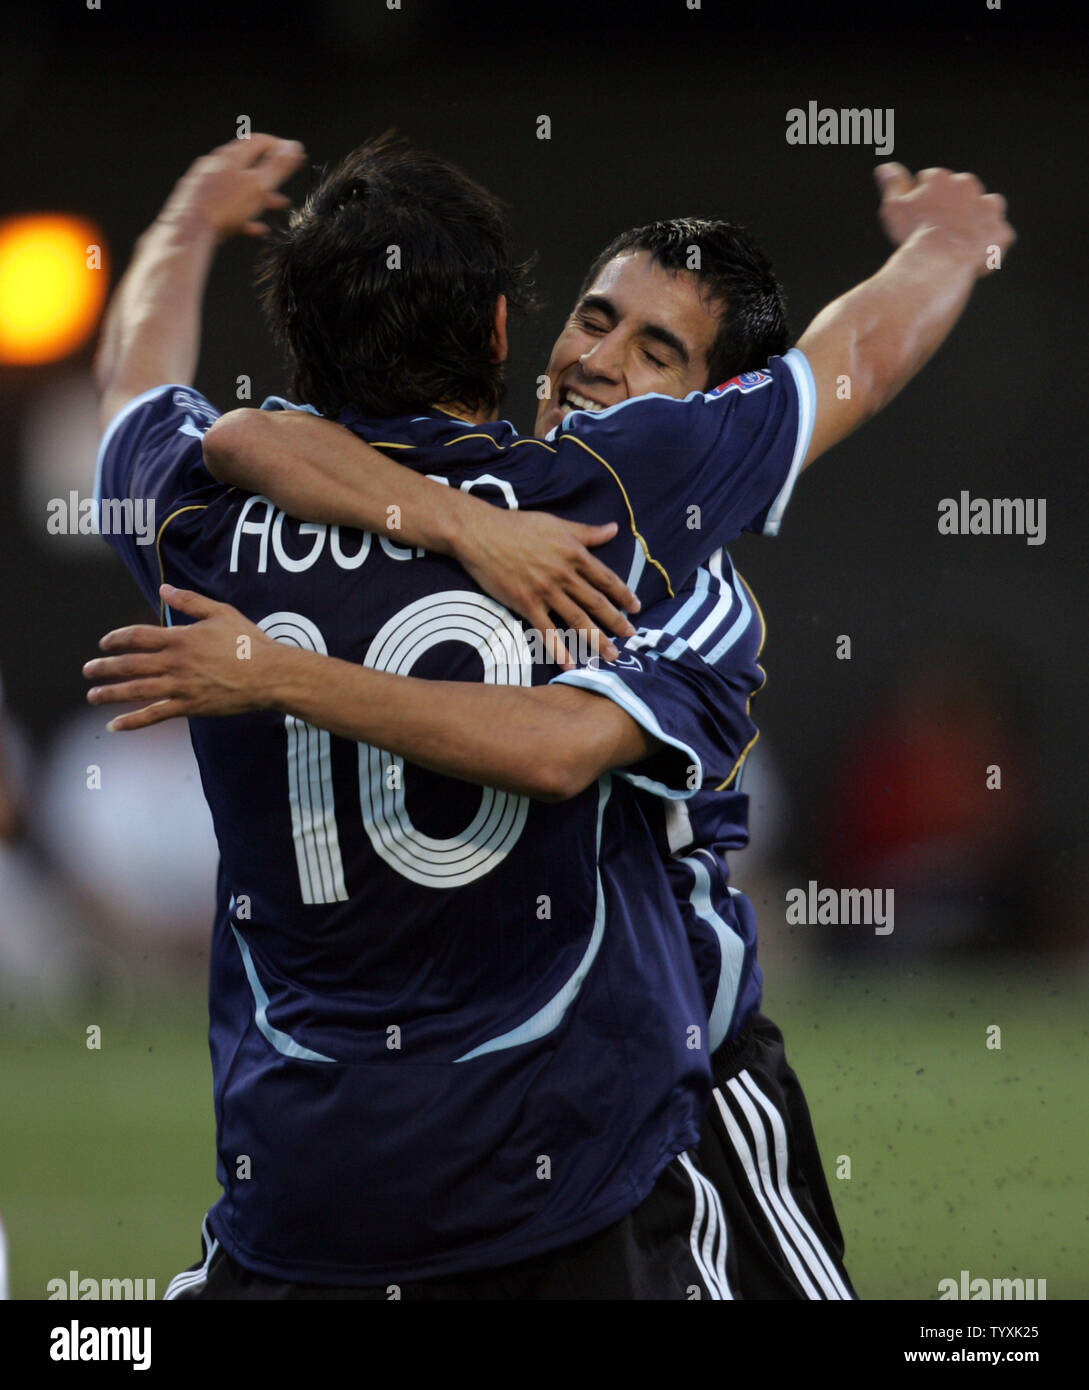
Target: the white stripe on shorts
(710, 1261)
(194, 1278)
(800, 1244)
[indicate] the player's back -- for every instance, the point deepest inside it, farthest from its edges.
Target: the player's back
(450, 1027)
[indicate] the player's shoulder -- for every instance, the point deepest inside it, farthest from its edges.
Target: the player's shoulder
(744, 382)
(586, 425)
(791, 368)
(445, 445)
(671, 419)
(169, 399)
(158, 433)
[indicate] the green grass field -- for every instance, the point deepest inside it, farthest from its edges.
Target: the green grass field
(961, 1157)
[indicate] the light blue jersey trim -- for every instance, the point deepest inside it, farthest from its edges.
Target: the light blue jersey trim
(607, 683)
(687, 611)
(546, 1020)
(743, 620)
(721, 608)
(638, 564)
(282, 403)
(802, 373)
(282, 1042)
(731, 951)
(564, 427)
(116, 423)
(723, 605)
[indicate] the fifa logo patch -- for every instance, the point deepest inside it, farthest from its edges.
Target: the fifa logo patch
(747, 381)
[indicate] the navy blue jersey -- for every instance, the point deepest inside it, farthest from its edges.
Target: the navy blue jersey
(450, 1027)
(691, 671)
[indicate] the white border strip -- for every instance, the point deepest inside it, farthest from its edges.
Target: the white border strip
(610, 685)
(802, 373)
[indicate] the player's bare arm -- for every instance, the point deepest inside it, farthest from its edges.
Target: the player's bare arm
(547, 742)
(151, 333)
(535, 564)
(947, 231)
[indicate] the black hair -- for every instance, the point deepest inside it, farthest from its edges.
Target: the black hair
(383, 285)
(732, 271)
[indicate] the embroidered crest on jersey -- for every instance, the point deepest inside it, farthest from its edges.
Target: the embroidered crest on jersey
(747, 381)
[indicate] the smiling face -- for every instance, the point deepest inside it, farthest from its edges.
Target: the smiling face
(637, 328)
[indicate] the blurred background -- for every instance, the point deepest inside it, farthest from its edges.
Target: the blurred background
(967, 652)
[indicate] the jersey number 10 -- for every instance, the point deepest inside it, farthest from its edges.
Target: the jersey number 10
(457, 615)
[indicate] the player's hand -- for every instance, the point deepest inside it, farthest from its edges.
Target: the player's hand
(540, 567)
(956, 203)
(229, 189)
(210, 667)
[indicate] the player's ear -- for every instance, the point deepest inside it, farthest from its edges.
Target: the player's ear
(499, 330)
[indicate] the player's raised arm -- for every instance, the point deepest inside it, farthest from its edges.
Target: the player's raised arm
(537, 565)
(949, 233)
(151, 332)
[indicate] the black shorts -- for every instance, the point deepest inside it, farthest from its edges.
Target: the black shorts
(759, 1151)
(661, 1250)
(746, 1215)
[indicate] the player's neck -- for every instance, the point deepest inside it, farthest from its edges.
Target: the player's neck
(466, 413)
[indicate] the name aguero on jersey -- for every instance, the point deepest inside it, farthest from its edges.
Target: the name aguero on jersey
(268, 529)
(113, 516)
(262, 519)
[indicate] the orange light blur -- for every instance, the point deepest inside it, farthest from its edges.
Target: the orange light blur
(50, 294)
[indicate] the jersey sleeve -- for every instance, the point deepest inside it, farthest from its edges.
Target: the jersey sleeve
(687, 677)
(697, 472)
(150, 459)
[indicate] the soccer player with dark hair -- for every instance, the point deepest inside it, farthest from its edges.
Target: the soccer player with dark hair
(732, 273)
(369, 333)
(596, 1004)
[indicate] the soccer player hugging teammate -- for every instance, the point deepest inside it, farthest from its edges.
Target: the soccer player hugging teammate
(468, 1038)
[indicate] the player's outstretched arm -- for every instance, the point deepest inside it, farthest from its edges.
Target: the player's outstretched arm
(151, 331)
(535, 564)
(949, 233)
(547, 743)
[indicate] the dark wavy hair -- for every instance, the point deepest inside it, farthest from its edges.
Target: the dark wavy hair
(733, 273)
(384, 283)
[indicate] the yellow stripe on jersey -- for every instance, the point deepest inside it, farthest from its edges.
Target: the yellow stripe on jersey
(616, 478)
(631, 515)
(193, 507)
(737, 766)
(759, 613)
(463, 437)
